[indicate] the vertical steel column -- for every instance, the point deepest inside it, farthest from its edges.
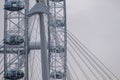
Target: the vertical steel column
(44, 58)
(26, 45)
(5, 33)
(65, 39)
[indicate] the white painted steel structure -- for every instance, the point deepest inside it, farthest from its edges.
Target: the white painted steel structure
(57, 39)
(28, 54)
(16, 23)
(12, 26)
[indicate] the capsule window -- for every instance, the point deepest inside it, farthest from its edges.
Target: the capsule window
(14, 5)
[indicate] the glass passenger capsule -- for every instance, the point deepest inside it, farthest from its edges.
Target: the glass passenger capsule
(60, 23)
(14, 74)
(57, 49)
(14, 5)
(14, 40)
(57, 75)
(56, 0)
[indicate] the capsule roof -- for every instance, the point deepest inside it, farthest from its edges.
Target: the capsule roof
(14, 5)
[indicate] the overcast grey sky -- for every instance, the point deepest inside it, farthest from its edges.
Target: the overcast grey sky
(97, 24)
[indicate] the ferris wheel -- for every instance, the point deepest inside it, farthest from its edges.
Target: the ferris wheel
(28, 53)
(35, 45)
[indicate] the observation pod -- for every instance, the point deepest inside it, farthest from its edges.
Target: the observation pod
(22, 52)
(13, 74)
(60, 23)
(56, 0)
(58, 49)
(57, 75)
(57, 23)
(14, 40)
(14, 5)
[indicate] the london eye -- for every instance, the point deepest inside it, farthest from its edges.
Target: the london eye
(36, 45)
